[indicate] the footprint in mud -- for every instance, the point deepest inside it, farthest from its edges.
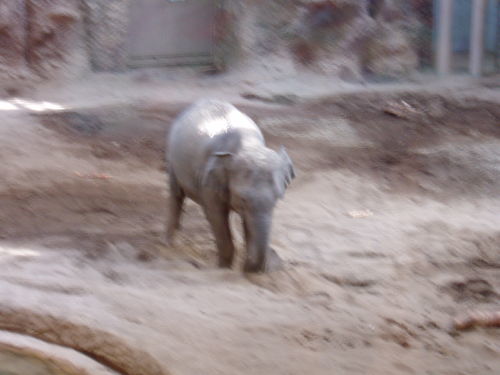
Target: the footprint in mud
(403, 368)
(299, 235)
(477, 290)
(398, 332)
(481, 262)
(302, 239)
(295, 281)
(349, 280)
(366, 254)
(315, 339)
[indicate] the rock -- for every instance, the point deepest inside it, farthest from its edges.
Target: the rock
(331, 37)
(56, 40)
(391, 53)
(12, 42)
(103, 346)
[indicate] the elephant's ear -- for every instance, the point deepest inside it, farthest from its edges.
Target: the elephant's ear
(279, 184)
(288, 166)
(285, 175)
(214, 176)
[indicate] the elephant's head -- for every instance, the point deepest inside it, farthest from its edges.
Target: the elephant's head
(251, 183)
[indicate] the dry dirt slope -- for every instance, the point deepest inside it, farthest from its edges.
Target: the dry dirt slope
(390, 230)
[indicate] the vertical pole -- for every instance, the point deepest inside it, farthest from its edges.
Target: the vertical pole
(444, 36)
(477, 38)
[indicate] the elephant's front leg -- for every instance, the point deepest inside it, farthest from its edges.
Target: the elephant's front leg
(260, 257)
(256, 253)
(218, 218)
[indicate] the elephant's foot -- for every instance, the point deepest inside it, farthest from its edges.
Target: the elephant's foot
(172, 227)
(167, 239)
(225, 262)
(272, 263)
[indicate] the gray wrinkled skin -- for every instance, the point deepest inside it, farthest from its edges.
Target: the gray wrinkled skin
(217, 157)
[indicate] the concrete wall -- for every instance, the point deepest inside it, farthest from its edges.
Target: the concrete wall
(106, 31)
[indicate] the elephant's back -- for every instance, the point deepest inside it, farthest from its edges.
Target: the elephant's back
(206, 126)
(210, 117)
(206, 120)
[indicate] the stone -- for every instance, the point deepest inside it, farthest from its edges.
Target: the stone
(55, 45)
(12, 42)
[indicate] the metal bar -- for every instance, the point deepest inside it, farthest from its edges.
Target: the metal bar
(497, 38)
(444, 36)
(477, 38)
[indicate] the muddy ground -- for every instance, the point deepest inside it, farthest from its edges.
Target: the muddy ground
(390, 230)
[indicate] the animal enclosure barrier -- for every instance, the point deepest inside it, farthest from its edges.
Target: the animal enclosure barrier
(170, 32)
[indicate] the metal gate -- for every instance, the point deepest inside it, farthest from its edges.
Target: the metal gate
(170, 32)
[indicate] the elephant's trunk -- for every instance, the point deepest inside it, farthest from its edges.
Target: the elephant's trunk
(257, 233)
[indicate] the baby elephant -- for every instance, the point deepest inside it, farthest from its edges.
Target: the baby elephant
(217, 157)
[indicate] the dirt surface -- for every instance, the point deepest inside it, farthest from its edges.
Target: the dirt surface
(390, 230)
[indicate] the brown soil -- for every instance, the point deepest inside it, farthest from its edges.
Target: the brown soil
(82, 211)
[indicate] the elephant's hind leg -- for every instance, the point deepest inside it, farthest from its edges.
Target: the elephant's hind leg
(218, 218)
(174, 208)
